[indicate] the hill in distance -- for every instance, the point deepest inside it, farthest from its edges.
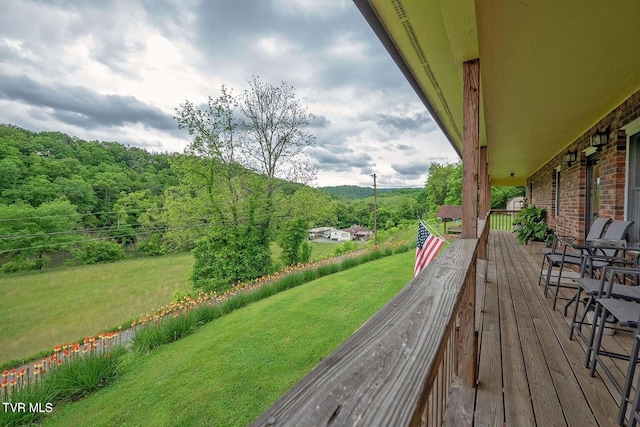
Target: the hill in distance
(353, 192)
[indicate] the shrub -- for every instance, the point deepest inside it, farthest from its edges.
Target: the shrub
(35, 394)
(349, 263)
(401, 249)
(229, 258)
(84, 375)
(96, 251)
(530, 224)
(344, 247)
(305, 252)
(310, 275)
(18, 265)
(325, 270)
(70, 381)
(292, 235)
(152, 246)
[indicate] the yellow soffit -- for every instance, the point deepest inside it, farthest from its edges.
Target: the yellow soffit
(434, 38)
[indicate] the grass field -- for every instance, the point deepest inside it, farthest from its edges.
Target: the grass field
(232, 369)
(40, 310)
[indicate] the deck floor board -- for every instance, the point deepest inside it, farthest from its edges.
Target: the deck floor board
(529, 372)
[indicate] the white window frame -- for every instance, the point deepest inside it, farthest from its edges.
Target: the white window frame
(630, 130)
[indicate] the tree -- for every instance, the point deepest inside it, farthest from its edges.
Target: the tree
(290, 239)
(501, 195)
(28, 233)
(314, 206)
(230, 176)
(443, 186)
(273, 120)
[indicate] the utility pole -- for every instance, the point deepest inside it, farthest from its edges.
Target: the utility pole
(375, 212)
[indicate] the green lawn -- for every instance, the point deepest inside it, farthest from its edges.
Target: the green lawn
(40, 310)
(232, 369)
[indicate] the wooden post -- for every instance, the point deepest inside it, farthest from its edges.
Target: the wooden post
(471, 130)
(485, 188)
(467, 338)
(484, 201)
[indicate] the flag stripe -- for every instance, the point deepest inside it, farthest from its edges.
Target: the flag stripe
(427, 248)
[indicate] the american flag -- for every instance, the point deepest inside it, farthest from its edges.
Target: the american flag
(427, 248)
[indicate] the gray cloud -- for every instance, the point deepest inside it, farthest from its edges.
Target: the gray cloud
(414, 170)
(82, 107)
(320, 122)
(411, 170)
(416, 122)
(91, 69)
(404, 147)
(345, 161)
(322, 48)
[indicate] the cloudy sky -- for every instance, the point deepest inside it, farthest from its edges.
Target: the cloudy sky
(116, 70)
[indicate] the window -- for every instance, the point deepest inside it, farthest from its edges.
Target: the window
(633, 187)
(557, 200)
(593, 191)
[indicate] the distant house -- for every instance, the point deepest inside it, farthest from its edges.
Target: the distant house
(448, 213)
(340, 235)
(359, 232)
(515, 204)
(316, 233)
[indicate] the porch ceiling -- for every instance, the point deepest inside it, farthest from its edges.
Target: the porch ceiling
(549, 69)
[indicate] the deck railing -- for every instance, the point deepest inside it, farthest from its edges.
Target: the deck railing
(502, 219)
(397, 368)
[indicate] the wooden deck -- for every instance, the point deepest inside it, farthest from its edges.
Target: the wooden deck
(530, 373)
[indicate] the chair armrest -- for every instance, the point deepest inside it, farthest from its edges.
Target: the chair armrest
(614, 271)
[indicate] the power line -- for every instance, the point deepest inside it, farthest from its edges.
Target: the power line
(137, 232)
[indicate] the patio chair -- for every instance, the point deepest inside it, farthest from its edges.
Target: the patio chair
(634, 418)
(595, 288)
(553, 241)
(616, 232)
(627, 315)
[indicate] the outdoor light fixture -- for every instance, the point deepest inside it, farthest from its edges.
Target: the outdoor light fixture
(600, 139)
(570, 157)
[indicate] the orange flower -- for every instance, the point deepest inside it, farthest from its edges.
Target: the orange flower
(5, 372)
(36, 371)
(13, 382)
(59, 362)
(56, 348)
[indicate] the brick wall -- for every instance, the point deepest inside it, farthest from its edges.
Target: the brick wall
(573, 185)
